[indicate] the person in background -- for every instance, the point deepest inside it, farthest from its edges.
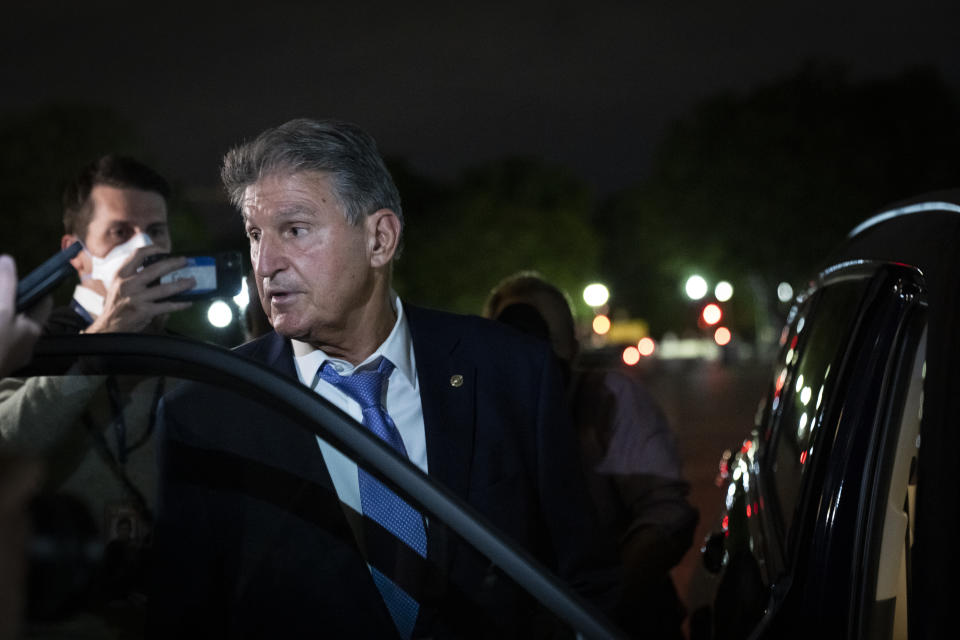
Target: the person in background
(94, 433)
(628, 452)
(19, 476)
(117, 207)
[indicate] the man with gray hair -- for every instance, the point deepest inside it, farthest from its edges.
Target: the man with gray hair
(476, 405)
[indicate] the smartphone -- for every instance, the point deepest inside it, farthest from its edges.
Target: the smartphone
(218, 275)
(44, 278)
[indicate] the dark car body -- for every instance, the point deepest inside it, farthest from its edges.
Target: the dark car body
(840, 506)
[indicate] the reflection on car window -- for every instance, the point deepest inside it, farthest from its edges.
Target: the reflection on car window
(808, 368)
(251, 520)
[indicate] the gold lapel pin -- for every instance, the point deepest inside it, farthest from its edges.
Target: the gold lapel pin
(456, 380)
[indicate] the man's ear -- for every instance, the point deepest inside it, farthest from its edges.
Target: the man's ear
(78, 260)
(383, 236)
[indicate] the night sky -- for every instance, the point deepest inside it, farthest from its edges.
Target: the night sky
(445, 85)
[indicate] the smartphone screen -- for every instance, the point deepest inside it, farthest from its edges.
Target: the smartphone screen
(203, 269)
(217, 275)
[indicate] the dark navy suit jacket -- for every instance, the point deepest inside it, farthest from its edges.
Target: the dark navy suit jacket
(252, 541)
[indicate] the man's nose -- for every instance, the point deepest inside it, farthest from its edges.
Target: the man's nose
(268, 258)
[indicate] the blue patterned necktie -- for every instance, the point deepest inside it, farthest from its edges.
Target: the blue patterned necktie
(377, 501)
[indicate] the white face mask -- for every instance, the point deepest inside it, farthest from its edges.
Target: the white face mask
(105, 268)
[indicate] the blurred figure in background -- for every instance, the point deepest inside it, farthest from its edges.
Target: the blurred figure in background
(117, 207)
(19, 477)
(94, 433)
(629, 456)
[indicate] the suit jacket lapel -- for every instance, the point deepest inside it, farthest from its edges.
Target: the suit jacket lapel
(447, 395)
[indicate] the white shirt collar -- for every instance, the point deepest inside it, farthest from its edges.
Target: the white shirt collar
(397, 348)
(88, 299)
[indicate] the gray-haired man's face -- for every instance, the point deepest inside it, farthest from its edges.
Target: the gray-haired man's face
(313, 269)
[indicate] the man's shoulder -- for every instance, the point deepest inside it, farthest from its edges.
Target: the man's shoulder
(470, 330)
(263, 348)
(424, 318)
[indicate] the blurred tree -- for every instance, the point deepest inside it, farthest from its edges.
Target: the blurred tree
(510, 215)
(758, 188)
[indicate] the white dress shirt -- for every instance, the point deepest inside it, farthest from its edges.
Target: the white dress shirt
(402, 401)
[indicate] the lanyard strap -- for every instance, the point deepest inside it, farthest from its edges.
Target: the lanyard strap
(119, 422)
(118, 427)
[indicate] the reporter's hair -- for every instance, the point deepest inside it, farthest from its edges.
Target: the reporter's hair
(360, 180)
(529, 288)
(525, 284)
(122, 172)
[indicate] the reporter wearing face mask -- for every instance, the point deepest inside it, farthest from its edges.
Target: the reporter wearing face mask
(117, 207)
(94, 433)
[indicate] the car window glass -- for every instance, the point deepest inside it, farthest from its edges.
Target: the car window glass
(812, 355)
(247, 508)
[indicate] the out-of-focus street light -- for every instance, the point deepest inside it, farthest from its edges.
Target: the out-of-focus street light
(596, 295)
(242, 299)
(219, 314)
(711, 314)
(646, 346)
(601, 324)
(722, 336)
(696, 287)
(723, 291)
(784, 292)
(631, 355)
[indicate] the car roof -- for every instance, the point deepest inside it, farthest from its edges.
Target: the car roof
(936, 201)
(922, 232)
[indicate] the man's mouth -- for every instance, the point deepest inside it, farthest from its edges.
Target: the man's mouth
(279, 296)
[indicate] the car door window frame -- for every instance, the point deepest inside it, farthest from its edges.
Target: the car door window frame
(188, 359)
(875, 274)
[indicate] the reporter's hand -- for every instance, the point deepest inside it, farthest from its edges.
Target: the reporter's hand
(130, 304)
(18, 331)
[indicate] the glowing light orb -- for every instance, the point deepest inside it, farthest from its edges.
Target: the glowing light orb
(711, 314)
(220, 314)
(722, 336)
(596, 295)
(646, 346)
(723, 291)
(784, 292)
(601, 324)
(696, 287)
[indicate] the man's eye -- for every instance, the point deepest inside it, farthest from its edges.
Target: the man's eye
(298, 231)
(253, 234)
